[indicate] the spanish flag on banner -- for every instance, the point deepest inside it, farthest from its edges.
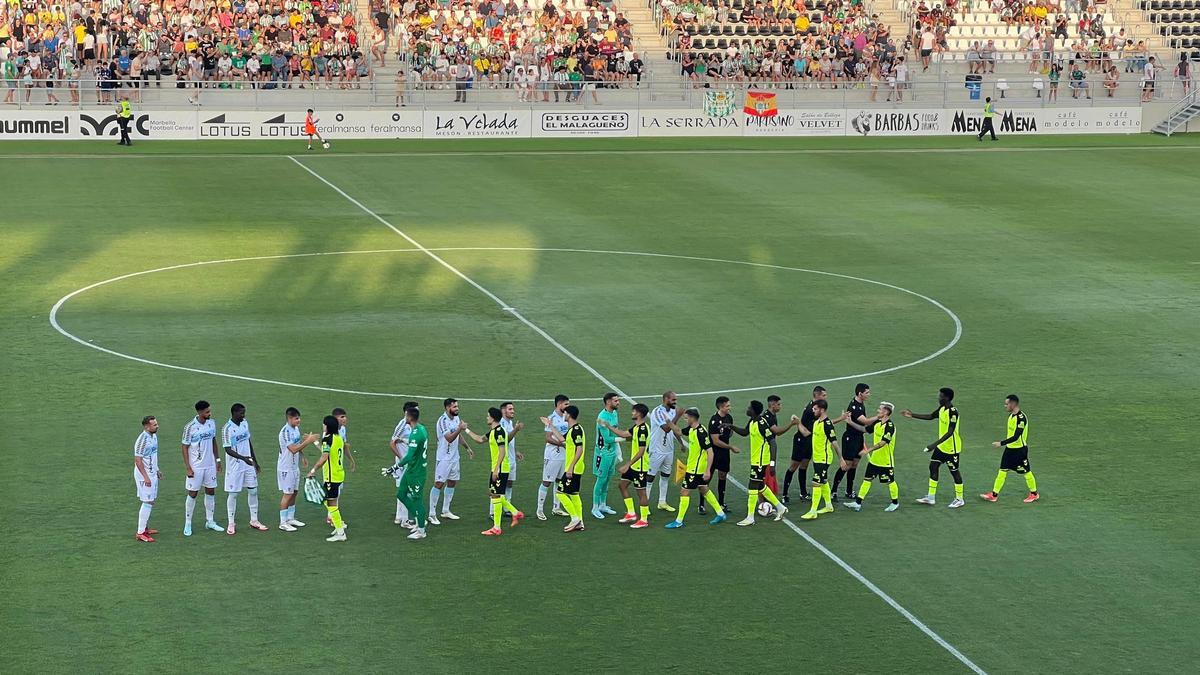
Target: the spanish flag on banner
(761, 104)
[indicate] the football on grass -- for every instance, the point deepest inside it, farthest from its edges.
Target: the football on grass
(325, 145)
(765, 509)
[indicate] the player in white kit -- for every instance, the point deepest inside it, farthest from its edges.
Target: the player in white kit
(287, 470)
(202, 463)
(511, 427)
(242, 470)
(662, 447)
(399, 445)
(146, 475)
(554, 458)
(446, 473)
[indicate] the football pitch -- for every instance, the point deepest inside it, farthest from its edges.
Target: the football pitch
(1063, 269)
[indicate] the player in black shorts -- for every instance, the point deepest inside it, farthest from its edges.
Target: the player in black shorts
(720, 429)
(802, 448)
(852, 439)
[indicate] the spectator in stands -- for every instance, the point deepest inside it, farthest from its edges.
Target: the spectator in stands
(1183, 73)
(1078, 80)
(927, 42)
(1054, 75)
(1112, 79)
(1149, 76)
(987, 56)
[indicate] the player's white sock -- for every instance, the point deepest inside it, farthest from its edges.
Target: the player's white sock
(662, 490)
(189, 506)
(252, 502)
(210, 507)
(449, 491)
(542, 491)
(230, 507)
(433, 500)
(401, 511)
(143, 517)
(508, 493)
(283, 516)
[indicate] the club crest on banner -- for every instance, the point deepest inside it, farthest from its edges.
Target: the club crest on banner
(718, 103)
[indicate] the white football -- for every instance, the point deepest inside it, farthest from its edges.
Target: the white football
(765, 509)
(325, 145)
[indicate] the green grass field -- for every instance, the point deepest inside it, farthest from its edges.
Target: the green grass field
(1073, 264)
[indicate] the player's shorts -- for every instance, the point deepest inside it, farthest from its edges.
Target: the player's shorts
(851, 446)
(638, 478)
(332, 490)
(446, 469)
(239, 476)
(720, 459)
(146, 494)
(801, 448)
(569, 486)
(951, 461)
(202, 478)
(400, 473)
(1015, 459)
(288, 481)
(497, 487)
(413, 487)
(820, 473)
(758, 474)
(552, 469)
(310, 131)
(691, 481)
(885, 474)
(662, 463)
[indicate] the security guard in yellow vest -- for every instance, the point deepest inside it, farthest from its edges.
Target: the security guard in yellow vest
(124, 117)
(989, 109)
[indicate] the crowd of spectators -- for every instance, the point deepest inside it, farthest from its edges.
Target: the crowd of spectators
(203, 43)
(789, 43)
(556, 47)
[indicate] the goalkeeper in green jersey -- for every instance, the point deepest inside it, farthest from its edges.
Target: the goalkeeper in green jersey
(416, 469)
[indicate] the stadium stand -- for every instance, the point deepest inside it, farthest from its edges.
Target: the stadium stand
(750, 40)
(506, 44)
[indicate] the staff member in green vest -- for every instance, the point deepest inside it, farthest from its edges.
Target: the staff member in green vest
(124, 116)
(989, 109)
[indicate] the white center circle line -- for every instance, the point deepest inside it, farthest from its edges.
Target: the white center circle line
(54, 311)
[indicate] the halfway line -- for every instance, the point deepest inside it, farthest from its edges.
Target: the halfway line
(503, 305)
(807, 537)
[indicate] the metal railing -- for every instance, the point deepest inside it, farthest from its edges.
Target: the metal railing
(649, 93)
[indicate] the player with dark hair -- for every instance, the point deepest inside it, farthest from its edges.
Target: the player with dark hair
(414, 467)
(945, 449)
(1016, 452)
(720, 428)
(243, 469)
(333, 474)
(399, 446)
(310, 129)
(575, 449)
(699, 468)
(853, 439)
(825, 448)
(802, 448)
(287, 470)
(758, 428)
(637, 469)
(202, 462)
(497, 440)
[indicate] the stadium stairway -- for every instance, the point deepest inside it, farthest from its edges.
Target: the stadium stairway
(1179, 118)
(650, 44)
